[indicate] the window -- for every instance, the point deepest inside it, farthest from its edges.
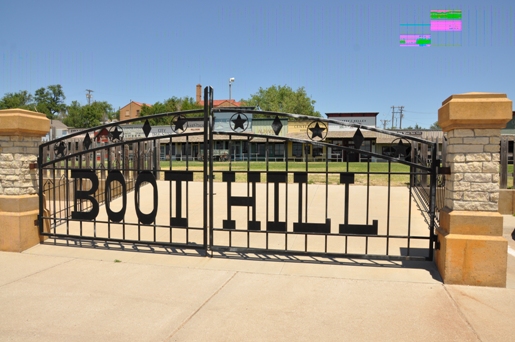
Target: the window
(279, 150)
(186, 149)
(137, 112)
(317, 151)
(296, 150)
(127, 113)
(261, 151)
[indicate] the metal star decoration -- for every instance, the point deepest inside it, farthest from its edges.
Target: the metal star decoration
(179, 123)
(239, 122)
(116, 134)
(316, 131)
(400, 150)
(60, 149)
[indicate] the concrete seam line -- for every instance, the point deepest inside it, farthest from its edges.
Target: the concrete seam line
(462, 315)
(38, 272)
(201, 306)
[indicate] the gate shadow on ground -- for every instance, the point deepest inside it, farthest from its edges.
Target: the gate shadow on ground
(429, 266)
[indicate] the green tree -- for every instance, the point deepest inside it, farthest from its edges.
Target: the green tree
(87, 116)
(22, 99)
(173, 104)
(435, 126)
(50, 101)
(283, 99)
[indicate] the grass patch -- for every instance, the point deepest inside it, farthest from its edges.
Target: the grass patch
(316, 171)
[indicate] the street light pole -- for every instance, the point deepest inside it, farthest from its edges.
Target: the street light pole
(230, 84)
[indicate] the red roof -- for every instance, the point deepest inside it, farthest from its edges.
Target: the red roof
(142, 104)
(218, 103)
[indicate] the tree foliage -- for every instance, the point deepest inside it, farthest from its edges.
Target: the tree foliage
(173, 104)
(50, 101)
(435, 126)
(283, 99)
(22, 99)
(87, 116)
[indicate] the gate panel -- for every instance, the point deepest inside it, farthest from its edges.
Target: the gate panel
(227, 188)
(322, 208)
(97, 187)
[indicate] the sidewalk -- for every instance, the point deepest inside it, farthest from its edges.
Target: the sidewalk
(57, 293)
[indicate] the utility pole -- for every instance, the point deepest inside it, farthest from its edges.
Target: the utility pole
(231, 80)
(400, 116)
(89, 96)
(384, 122)
(393, 115)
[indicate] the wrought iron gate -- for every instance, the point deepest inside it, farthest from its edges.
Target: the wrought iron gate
(224, 187)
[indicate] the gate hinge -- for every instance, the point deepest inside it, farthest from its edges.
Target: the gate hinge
(437, 244)
(444, 170)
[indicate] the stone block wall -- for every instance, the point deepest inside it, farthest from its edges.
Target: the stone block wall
(16, 155)
(473, 156)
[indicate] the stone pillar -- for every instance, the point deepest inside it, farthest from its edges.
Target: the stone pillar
(472, 250)
(20, 137)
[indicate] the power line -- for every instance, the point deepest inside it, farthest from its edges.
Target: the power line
(410, 111)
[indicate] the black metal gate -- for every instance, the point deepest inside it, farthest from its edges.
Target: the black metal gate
(212, 183)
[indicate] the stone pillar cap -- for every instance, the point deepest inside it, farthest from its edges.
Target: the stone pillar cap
(475, 95)
(475, 110)
(21, 122)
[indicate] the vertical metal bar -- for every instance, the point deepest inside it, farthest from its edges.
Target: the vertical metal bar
(388, 206)
(106, 195)
(444, 151)
(211, 176)
(285, 211)
(40, 190)
(139, 167)
(409, 216)
(127, 175)
(170, 205)
(326, 192)
(504, 163)
(368, 189)
(513, 174)
(229, 156)
(300, 203)
(326, 184)
(205, 178)
(432, 200)
(307, 194)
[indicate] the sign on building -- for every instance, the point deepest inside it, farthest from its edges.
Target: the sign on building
(358, 120)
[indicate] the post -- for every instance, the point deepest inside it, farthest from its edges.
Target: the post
(470, 246)
(20, 136)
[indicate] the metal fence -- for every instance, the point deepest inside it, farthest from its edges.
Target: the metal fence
(114, 191)
(506, 171)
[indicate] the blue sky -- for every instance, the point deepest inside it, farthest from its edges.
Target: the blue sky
(345, 53)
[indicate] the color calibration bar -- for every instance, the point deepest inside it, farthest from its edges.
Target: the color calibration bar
(415, 40)
(446, 20)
